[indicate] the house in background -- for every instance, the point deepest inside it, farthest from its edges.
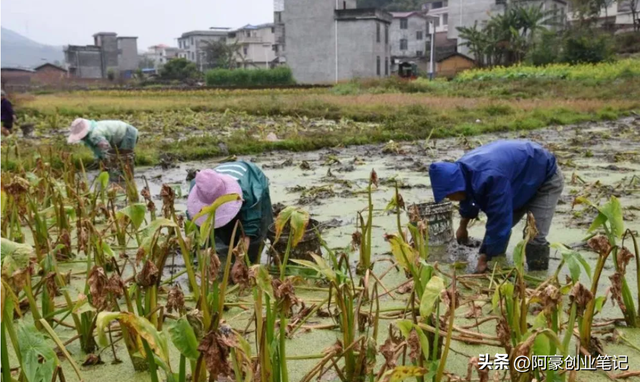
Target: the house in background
(465, 13)
(48, 72)
(160, 54)
(256, 44)
(108, 54)
(448, 65)
(329, 41)
(410, 39)
(192, 44)
(616, 16)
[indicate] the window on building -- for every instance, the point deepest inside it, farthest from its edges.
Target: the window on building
(419, 35)
(419, 53)
(386, 66)
(436, 5)
(247, 33)
(403, 44)
(386, 34)
(191, 40)
(274, 48)
(378, 65)
(344, 5)
(245, 50)
(193, 56)
(436, 22)
(404, 23)
(273, 30)
(445, 19)
(377, 32)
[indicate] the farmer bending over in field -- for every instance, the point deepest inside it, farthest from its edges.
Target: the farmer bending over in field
(254, 211)
(8, 116)
(504, 179)
(104, 137)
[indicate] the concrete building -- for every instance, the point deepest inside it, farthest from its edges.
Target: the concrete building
(127, 55)
(192, 44)
(257, 46)
(278, 22)
(464, 13)
(616, 16)
(108, 54)
(331, 41)
(160, 54)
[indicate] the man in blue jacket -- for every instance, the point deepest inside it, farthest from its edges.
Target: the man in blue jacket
(504, 179)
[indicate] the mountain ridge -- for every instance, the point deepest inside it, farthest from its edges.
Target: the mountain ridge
(21, 51)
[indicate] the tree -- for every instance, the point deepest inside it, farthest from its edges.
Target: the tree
(220, 55)
(634, 8)
(146, 62)
(179, 69)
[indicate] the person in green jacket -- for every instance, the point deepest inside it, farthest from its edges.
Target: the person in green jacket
(103, 137)
(254, 211)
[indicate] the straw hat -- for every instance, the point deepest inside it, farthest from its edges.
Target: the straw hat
(211, 185)
(78, 130)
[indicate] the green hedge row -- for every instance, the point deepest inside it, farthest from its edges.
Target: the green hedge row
(249, 77)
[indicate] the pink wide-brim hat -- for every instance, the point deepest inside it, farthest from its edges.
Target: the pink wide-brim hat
(78, 130)
(209, 186)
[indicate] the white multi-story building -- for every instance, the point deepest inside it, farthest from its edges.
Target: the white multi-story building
(192, 44)
(257, 46)
(160, 54)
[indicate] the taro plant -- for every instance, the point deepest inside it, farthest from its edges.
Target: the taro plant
(298, 220)
(610, 220)
(363, 235)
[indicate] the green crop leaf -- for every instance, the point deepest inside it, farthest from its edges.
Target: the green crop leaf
(106, 248)
(400, 373)
(135, 212)
(430, 297)
(518, 257)
(184, 338)
(320, 266)
(210, 212)
(137, 325)
(33, 345)
(3, 201)
(599, 303)
(613, 211)
(14, 256)
(573, 259)
(103, 180)
(158, 224)
(263, 280)
(298, 221)
(404, 254)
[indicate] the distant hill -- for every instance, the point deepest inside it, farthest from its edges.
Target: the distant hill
(18, 50)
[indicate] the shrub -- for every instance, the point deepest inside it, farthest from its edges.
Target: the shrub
(586, 47)
(179, 69)
(249, 77)
(547, 50)
(628, 42)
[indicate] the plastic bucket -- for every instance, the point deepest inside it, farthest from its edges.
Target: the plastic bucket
(439, 218)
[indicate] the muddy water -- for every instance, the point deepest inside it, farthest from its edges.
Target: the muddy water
(607, 152)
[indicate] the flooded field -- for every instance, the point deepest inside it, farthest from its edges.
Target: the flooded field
(598, 161)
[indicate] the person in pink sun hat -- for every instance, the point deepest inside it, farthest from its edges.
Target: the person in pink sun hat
(254, 211)
(103, 136)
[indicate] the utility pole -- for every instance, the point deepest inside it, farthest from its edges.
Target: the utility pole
(433, 43)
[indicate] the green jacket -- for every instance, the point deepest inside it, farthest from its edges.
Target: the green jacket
(105, 135)
(256, 214)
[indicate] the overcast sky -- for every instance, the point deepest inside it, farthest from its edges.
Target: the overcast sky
(63, 22)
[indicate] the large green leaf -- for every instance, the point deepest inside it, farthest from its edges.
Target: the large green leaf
(298, 220)
(14, 255)
(103, 180)
(158, 224)
(184, 338)
(430, 297)
(613, 211)
(406, 326)
(519, 256)
(139, 326)
(320, 266)
(404, 254)
(210, 212)
(135, 212)
(33, 345)
(573, 259)
(400, 373)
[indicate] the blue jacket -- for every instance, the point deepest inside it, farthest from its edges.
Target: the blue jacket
(498, 178)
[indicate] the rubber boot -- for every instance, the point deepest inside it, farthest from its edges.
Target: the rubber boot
(537, 257)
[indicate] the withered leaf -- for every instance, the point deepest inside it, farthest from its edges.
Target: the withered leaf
(175, 299)
(149, 274)
(97, 282)
(600, 244)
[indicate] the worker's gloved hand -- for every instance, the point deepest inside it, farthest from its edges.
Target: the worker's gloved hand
(462, 235)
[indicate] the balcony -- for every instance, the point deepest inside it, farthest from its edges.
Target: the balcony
(249, 40)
